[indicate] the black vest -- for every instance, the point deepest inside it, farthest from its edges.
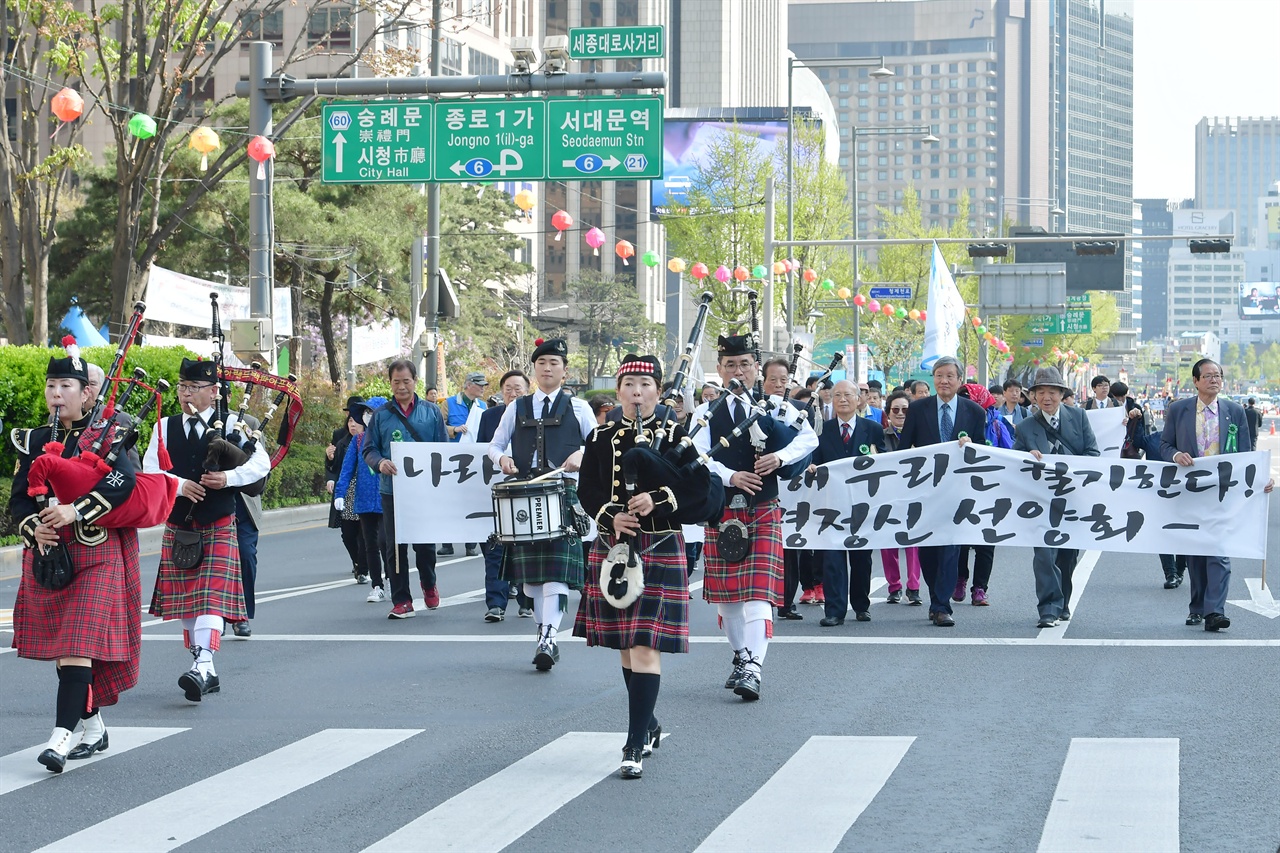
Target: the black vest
(188, 463)
(740, 455)
(562, 434)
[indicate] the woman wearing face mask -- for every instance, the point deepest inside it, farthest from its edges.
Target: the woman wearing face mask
(895, 415)
(358, 500)
(657, 621)
(92, 627)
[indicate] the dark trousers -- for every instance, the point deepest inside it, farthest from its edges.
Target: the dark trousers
(983, 557)
(372, 545)
(1053, 568)
(791, 559)
(940, 568)
(496, 590)
(1173, 564)
(692, 551)
(247, 535)
(1210, 578)
(397, 557)
(846, 581)
(355, 547)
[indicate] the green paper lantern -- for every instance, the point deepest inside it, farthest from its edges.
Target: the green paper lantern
(142, 126)
(982, 330)
(901, 312)
(758, 271)
(828, 284)
(650, 259)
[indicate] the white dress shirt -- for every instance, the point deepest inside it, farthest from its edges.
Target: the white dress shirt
(501, 442)
(803, 444)
(257, 466)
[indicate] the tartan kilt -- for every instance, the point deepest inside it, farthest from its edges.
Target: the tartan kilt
(550, 561)
(212, 588)
(659, 618)
(759, 577)
(98, 616)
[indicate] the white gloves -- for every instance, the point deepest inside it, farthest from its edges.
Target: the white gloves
(339, 504)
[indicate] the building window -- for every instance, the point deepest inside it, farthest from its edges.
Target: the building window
(329, 28)
(260, 27)
(482, 63)
(197, 94)
(450, 57)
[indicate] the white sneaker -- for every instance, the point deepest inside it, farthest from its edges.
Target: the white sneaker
(375, 595)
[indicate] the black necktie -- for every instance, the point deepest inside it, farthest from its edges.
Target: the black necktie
(192, 435)
(546, 407)
(737, 412)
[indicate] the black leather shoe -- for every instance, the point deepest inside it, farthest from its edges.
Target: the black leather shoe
(212, 684)
(789, 613)
(632, 766)
(894, 597)
(1216, 622)
(548, 655)
(84, 750)
(1194, 618)
(473, 551)
(1047, 622)
(52, 760)
(192, 684)
(242, 629)
(862, 616)
(831, 621)
(1065, 616)
(1178, 578)
(748, 687)
(732, 681)
(444, 551)
(1170, 581)
(942, 619)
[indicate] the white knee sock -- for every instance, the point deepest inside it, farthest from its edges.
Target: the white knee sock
(757, 639)
(553, 596)
(534, 591)
(734, 622)
(204, 635)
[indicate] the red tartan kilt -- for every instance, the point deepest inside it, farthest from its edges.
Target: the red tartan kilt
(212, 588)
(659, 618)
(98, 616)
(759, 576)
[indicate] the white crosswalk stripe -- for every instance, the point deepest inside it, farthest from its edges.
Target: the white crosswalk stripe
(1115, 795)
(19, 769)
(813, 799)
(492, 814)
(184, 815)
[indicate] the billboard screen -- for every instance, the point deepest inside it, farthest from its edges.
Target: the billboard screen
(1259, 299)
(1084, 272)
(1204, 223)
(687, 142)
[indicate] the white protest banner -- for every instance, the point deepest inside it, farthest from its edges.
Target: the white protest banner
(375, 341)
(952, 495)
(176, 298)
(1108, 428)
(443, 491)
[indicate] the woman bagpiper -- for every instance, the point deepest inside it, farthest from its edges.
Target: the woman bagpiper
(658, 619)
(91, 627)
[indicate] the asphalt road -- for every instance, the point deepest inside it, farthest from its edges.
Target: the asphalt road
(337, 729)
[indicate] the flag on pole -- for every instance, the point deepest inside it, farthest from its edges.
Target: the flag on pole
(946, 313)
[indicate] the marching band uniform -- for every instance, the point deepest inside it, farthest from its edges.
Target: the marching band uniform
(98, 615)
(659, 618)
(208, 596)
(550, 568)
(746, 591)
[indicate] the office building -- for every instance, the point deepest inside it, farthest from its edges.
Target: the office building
(1237, 162)
(1152, 216)
(1204, 290)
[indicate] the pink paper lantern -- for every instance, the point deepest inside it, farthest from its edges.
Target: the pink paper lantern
(595, 239)
(722, 274)
(873, 306)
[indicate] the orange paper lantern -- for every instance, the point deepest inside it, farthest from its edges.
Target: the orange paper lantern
(67, 105)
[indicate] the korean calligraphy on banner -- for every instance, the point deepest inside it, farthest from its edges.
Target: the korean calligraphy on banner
(443, 491)
(949, 495)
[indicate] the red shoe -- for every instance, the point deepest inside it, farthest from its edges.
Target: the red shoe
(431, 597)
(819, 595)
(806, 597)
(402, 611)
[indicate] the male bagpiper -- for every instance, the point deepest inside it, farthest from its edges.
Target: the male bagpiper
(546, 431)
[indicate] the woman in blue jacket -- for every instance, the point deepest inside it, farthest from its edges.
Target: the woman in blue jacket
(368, 503)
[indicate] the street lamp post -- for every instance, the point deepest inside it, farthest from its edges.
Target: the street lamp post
(1054, 211)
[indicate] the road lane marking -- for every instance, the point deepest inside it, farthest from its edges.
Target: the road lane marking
(1115, 795)
(563, 638)
(813, 799)
(20, 769)
(184, 815)
(497, 811)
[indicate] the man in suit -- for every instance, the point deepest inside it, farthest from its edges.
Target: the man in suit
(1206, 425)
(937, 419)
(1054, 429)
(1101, 398)
(514, 385)
(846, 578)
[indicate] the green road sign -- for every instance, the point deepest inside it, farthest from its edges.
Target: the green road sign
(594, 139)
(616, 42)
(496, 140)
(1078, 299)
(1077, 321)
(372, 143)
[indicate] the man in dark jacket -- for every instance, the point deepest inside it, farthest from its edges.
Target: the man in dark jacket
(514, 385)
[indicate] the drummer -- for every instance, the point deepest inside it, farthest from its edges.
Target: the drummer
(657, 621)
(546, 431)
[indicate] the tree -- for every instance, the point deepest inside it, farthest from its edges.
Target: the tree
(1270, 364)
(612, 319)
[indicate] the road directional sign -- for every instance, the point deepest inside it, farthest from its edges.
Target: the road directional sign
(897, 292)
(605, 138)
(615, 42)
(369, 143)
(1077, 321)
(494, 140)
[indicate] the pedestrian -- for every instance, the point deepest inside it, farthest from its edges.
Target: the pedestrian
(710, 393)
(91, 628)
(1059, 431)
(895, 412)
(209, 594)
(808, 561)
(462, 422)
(601, 406)
(657, 620)
(1133, 445)
(919, 389)
(1101, 398)
(406, 417)
(998, 434)
(939, 419)
(777, 376)
(1012, 408)
(248, 522)
(1206, 425)
(359, 500)
(540, 433)
(335, 455)
(1254, 418)
(514, 385)
(742, 559)
(846, 578)
(868, 397)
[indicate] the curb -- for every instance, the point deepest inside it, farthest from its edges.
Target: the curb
(273, 521)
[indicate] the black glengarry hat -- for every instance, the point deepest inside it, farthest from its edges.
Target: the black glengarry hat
(198, 370)
(72, 366)
(735, 345)
(554, 346)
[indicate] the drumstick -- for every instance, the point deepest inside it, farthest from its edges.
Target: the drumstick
(547, 475)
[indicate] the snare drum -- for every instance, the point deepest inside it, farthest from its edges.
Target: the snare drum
(524, 511)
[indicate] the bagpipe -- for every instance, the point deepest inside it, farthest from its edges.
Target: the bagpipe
(71, 478)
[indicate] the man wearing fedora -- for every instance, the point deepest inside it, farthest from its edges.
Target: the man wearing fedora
(1059, 430)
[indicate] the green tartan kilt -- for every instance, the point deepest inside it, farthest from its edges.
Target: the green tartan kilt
(551, 561)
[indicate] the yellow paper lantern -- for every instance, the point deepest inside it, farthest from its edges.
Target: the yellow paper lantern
(844, 293)
(524, 200)
(205, 141)
(779, 268)
(676, 265)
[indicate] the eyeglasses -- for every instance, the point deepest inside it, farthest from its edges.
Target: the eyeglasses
(186, 388)
(898, 410)
(1211, 376)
